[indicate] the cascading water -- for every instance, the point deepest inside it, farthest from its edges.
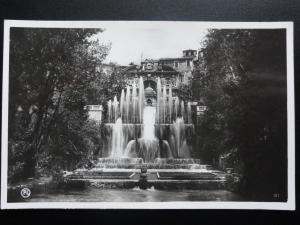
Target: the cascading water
(141, 99)
(182, 110)
(138, 130)
(170, 104)
(117, 140)
(122, 105)
(115, 108)
(176, 107)
(164, 103)
(189, 112)
(158, 101)
(149, 122)
(148, 146)
(134, 100)
(178, 133)
(127, 103)
(109, 111)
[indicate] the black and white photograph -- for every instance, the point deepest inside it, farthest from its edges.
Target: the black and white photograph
(148, 114)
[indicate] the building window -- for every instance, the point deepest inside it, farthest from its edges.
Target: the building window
(176, 64)
(167, 82)
(174, 83)
(188, 63)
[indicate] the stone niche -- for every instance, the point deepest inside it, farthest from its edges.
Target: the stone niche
(95, 112)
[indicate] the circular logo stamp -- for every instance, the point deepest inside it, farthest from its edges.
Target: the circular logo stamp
(25, 192)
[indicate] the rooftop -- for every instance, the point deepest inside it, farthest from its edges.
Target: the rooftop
(177, 58)
(187, 50)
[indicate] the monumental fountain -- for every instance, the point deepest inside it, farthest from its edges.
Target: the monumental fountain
(149, 132)
(141, 126)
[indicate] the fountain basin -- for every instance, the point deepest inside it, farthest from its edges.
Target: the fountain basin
(158, 163)
(167, 174)
(175, 175)
(123, 160)
(177, 161)
(151, 166)
(157, 179)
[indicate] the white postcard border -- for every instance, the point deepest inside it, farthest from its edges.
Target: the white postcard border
(289, 205)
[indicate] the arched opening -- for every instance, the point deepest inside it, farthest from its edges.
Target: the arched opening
(149, 102)
(150, 83)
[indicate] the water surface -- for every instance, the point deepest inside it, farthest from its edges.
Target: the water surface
(135, 195)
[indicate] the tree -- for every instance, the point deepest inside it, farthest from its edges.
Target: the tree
(106, 86)
(244, 87)
(51, 71)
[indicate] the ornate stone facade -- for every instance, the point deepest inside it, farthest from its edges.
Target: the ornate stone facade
(172, 72)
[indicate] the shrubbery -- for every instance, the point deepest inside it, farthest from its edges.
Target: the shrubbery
(242, 80)
(51, 74)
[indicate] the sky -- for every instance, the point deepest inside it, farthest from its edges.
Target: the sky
(131, 41)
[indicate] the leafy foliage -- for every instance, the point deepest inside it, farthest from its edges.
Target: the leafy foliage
(51, 71)
(106, 86)
(242, 80)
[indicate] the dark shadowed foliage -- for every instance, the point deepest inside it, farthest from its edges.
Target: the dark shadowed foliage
(51, 71)
(242, 80)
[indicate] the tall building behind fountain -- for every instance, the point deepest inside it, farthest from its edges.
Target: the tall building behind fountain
(153, 117)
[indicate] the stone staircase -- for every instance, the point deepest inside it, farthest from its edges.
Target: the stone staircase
(159, 163)
(160, 174)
